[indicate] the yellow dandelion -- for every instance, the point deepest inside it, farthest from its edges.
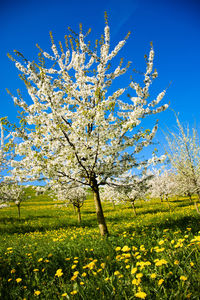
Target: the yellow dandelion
(160, 281)
(37, 293)
(73, 267)
(35, 270)
(107, 279)
(136, 281)
(126, 249)
(116, 273)
(64, 295)
(117, 248)
(161, 262)
(183, 278)
(73, 277)
(12, 271)
(153, 276)
(134, 270)
(74, 292)
(139, 275)
(141, 295)
(18, 280)
(40, 259)
(76, 273)
(84, 274)
(59, 273)
(161, 242)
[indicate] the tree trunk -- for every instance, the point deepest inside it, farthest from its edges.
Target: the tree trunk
(113, 204)
(196, 206)
(190, 196)
(133, 206)
(198, 194)
(19, 213)
(79, 214)
(99, 211)
(168, 202)
(74, 209)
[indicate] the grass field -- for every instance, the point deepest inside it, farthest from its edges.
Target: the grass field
(48, 255)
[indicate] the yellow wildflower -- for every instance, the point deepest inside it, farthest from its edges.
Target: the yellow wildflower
(134, 270)
(139, 275)
(74, 292)
(59, 273)
(183, 278)
(18, 280)
(161, 242)
(161, 262)
(141, 295)
(126, 249)
(117, 248)
(116, 273)
(160, 281)
(37, 293)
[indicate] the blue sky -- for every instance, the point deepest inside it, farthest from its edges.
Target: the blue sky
(173, 26)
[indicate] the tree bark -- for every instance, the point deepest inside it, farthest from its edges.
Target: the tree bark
(79, 214)
(133, 206)
(197, 208)
(113, 204)
(99, 211)
(19, 213)
(74, 209)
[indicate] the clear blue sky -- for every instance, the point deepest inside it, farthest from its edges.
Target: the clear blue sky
(172, 25)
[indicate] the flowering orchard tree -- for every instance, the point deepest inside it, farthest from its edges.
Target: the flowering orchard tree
(77, 128)
(163, 185)
(184, 156)
(12, 192)
(74, 194)
(127, 189)
(5, 151)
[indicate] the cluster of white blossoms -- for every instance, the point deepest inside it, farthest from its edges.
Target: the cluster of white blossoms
(76, 129)
(10, 192)
(163, 185)
(126, 189)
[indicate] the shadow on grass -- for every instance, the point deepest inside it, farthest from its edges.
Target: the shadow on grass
(22, 226)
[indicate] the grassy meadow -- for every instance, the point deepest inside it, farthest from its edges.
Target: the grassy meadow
(48, 255)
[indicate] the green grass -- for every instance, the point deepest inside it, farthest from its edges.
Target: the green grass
(48, 238)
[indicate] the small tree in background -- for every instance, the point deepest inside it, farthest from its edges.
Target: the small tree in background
(12, 192)
(127, 189)
(184, 156)
(71, 194)
(79, 127)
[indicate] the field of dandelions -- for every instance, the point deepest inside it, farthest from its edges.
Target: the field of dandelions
(48, 255)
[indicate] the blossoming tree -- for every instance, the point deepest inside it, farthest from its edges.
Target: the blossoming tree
(127, 189)
(74, 194)
(12, 192)
(184, 156)
(77, 127)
